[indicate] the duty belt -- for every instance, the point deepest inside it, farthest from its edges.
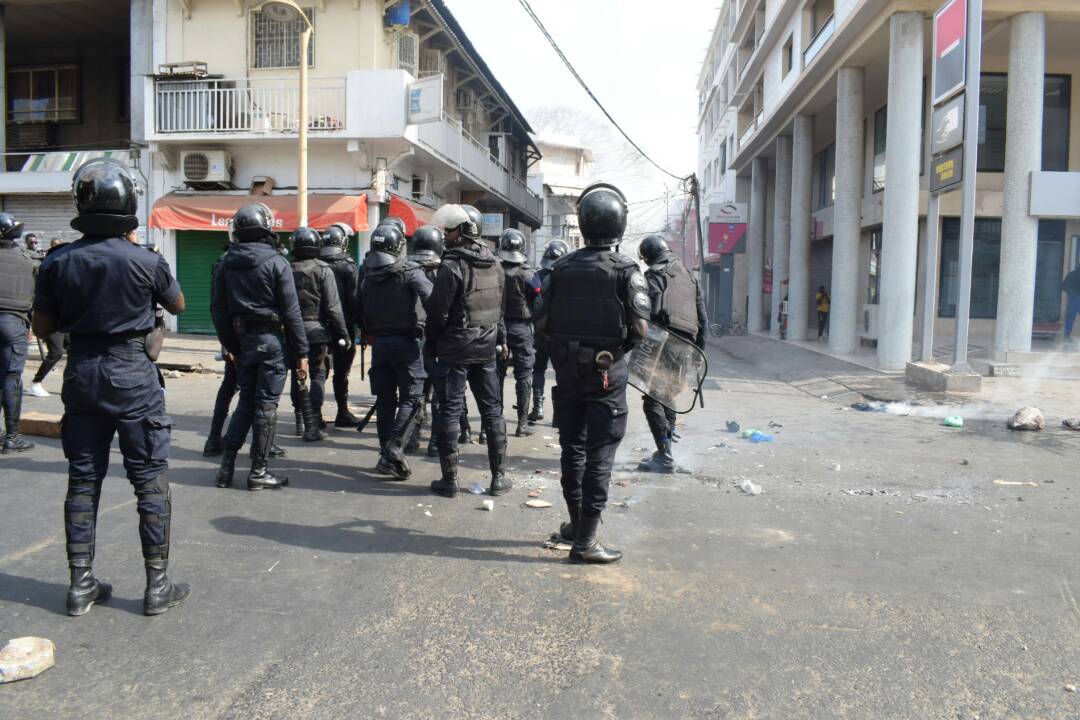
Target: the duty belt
(589, 359)
(100, 343)
(244, 324)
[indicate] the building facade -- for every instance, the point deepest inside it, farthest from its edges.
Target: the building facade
(403, 116)
(560, 176)
(815, 117)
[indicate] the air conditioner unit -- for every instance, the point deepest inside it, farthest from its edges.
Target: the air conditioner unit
(464, 100)
(206, 166)
(408, 52)
(432, 62)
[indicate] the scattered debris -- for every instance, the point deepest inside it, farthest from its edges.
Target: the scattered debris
(557, 543)
(548, 437)
(1071, 424)
(554, 445)
(477, 489)
(868, 407)
(760, 437)
(620, 483)
(871, 491)
(1070, 688)
(745, 434)
(1027, 418)
(732, 426)
(488, 505)
(836, 467)
(965, 461)
(26, 657)
(1014, 482)
(953, 421)
(622, 504)
(749, 487)
(774, 424)
(428, 513)
(172, 374)
(534, 493)
(537, 504)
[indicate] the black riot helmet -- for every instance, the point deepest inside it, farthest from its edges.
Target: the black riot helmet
(335, 241)
(387, 247)
(602, 215)
(254, 223)
(555, 250)
(10, 228)
(395, 222)
(306, 243)
(512, 246)
(426, 245)
(106, 198)
(652, 248)
(471, 230)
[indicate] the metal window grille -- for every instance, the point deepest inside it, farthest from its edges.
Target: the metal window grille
(277, 44)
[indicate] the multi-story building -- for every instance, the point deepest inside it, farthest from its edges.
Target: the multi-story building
(815, 115)
(560, 176)
(203, 97)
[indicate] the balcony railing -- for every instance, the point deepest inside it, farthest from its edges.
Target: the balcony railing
(819, 41)
(265, 105)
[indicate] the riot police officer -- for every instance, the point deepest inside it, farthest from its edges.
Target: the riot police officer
(390, 304)
(677, 306)
(464, 327)
(555, 250)
(102, 291)
(16, 299)
(522, 287)
(335, 252)
(594, 310)
(324, 323)
(255, 308)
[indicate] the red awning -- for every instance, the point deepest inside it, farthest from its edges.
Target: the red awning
(214, 211)
(414, 214)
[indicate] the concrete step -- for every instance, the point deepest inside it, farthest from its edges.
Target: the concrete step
(1048, 372)
(1039, 358)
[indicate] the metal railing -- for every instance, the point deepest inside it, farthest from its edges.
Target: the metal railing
(747, 134)
(264, 105)
(819, 41)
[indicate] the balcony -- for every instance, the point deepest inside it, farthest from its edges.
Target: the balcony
(819, 41)
(246, 106)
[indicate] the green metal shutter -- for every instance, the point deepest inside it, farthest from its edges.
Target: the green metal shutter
(196, 253)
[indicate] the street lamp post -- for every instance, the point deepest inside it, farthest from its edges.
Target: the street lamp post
(285, 11)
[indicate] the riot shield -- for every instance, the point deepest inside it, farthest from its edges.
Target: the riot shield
(668, 369)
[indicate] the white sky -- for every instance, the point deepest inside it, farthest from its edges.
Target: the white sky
(640, 58)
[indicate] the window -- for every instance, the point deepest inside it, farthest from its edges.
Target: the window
(1055, 144)
(787, 58)
(820, 14)
(881, 118)
(723, 158)
(825, 177)
(276, 44)
(43, 94)
(993, 104)
(1048, 264)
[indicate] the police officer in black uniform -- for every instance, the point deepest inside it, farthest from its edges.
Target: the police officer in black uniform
(677, 306)
(102, 290)
(16, 299)
(335, 252)
(254, 296)
(594, 310)
(390, 303)
(555, 250)
(464, 328)
(324, 323)
(522, 288)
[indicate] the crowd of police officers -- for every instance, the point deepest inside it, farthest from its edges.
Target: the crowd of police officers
(440, 312)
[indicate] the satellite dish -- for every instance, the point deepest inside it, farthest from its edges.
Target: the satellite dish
(279, 11)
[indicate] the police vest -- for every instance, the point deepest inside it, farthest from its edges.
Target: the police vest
(517, 304)
(483, 292)
(16, 282)
(309, 289)
(584, 301)
(678, 305)
(390, 305)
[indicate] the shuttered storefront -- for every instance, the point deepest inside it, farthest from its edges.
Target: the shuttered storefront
(196, 253)
(46, 216)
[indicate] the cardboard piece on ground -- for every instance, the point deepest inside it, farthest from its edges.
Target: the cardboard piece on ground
(40, 424)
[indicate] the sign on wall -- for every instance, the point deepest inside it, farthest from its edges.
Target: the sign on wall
(493, 225)
(426, 100)
(947, 125)
(729, 213)
(947, 170)
(950, 49)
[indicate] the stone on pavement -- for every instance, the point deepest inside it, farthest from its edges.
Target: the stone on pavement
(26, 657)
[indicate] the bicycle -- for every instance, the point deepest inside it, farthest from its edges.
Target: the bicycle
(732, 327)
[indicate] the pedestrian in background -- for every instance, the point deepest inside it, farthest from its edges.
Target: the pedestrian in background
(1071, 287)
(824, 302)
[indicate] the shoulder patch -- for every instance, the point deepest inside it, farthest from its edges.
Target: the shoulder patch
(642, 304)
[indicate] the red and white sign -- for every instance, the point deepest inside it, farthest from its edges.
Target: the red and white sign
(725, 237)
(950, 49)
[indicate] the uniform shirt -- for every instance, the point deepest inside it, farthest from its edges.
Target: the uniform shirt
(104, 286)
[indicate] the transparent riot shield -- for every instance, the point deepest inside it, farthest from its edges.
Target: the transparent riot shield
(668, 369)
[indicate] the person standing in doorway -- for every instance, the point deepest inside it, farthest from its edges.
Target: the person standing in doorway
(824, 302)
(1071, 287)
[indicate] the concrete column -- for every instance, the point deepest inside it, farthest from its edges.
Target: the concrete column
(847, 211)
(1023, 155)
(3, 87)
(802, 173)
(755, 250)
(900, 228)
(781, 228)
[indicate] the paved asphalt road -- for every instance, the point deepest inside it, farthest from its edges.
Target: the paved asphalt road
(879, 575)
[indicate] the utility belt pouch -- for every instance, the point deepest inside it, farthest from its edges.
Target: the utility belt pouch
(155, 339)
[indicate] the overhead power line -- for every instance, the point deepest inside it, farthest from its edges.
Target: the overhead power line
(570, 67)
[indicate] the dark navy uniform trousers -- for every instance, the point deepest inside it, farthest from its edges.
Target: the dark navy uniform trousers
(397, 382)
(260, 370)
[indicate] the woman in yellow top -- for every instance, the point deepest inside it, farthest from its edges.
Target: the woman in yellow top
(823, 302)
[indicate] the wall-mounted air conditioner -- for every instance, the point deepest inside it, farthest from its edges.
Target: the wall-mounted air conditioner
(432, 62)
(206, 166)
(407, 52)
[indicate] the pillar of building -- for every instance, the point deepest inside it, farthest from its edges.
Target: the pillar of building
(847, 211)
(802, 174)
(3, 84)
(755, 319)
(1023, 155)
(781, 228)
(900, 226)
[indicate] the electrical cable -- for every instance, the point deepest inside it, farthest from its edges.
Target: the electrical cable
(570, 67)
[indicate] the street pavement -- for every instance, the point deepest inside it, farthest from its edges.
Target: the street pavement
(884, 572)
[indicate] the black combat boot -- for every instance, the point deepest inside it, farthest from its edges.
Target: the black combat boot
(161, 593)
(344, 418)
(392, 461)
(277, 452)
(312, 431)
(260, 477)
(661, 460)
(214, 446)
(568, 530)
(447, 485)
(228, 466)
(298, 423)
(524, 395)
(433, 447)
(13, 442)
(537, 412)
(85, 589)
(500, 484)
(586, 548)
